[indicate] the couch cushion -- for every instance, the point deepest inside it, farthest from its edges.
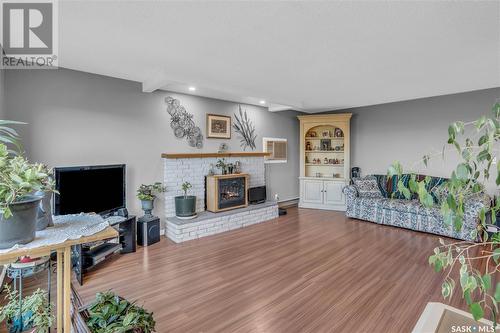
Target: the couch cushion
(382, 184)
(370, 209)
(403, 205)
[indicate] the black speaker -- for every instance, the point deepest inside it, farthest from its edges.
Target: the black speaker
(122, 212)
(148, 230)
(257, 195)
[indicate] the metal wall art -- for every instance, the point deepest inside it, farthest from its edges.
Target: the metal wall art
(245, 130)
(182, 123)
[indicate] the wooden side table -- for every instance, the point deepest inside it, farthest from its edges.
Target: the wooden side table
(63, 251)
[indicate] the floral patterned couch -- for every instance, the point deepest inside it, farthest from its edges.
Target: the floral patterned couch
(389, 207)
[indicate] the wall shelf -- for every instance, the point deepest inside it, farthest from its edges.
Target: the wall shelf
(205, 155)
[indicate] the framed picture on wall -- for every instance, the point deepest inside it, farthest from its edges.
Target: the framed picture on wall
(218, 126)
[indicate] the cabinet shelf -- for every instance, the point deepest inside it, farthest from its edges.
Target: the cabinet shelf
(330, 165)
(325, 151)
(324, 137)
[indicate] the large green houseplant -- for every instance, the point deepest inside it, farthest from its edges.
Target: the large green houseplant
(473, 267)
(19, 181)
(33, 314)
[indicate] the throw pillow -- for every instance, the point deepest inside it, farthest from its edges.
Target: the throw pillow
(440, 193)
(367, 187)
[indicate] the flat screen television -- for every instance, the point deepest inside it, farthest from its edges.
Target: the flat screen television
(89, 189)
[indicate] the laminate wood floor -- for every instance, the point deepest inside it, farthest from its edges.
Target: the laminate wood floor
(309, 271)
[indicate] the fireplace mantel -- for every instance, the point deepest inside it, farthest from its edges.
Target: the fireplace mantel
(207, 155)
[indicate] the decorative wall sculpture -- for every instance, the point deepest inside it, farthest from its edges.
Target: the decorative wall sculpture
(182, 123)
(245, 130)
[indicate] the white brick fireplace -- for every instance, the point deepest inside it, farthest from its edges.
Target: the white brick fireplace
(180, 168)
(194, 170)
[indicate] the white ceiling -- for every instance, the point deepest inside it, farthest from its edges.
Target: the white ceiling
(309, 55)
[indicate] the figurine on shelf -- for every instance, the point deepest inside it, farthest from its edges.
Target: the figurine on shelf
(312, 134)
(308, 145)
(307, 160)
(338, 133)
(326, 134)
(325, 160)
(326, 144)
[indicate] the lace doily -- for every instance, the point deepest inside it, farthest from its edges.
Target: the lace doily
(65, 227)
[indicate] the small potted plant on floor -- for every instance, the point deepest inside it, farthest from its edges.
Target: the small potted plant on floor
(147, 195)
(112, 313)
(185, 205)
(33, 314)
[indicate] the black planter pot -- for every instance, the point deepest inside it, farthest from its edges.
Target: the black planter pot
(185, 206)
(20, 228)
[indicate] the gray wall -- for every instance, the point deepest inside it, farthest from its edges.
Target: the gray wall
(405, 131)
(77, 118)
(2, 96)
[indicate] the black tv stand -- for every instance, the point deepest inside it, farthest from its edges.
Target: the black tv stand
(87, 256)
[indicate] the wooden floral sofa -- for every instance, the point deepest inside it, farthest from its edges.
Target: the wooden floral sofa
(375, 199)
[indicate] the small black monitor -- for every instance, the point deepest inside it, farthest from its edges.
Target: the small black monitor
(89, 189)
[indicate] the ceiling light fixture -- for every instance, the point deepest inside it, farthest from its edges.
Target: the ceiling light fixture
(192, 88)
(262, 102)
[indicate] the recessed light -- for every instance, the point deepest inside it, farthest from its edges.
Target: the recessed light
(192, 88)
(262, 102)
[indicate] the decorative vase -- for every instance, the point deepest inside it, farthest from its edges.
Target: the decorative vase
(23, 324)
(20, 228)
(185, 206)
(44, 216)
(237, 167)
(147, 206)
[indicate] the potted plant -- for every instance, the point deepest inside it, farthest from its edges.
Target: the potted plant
(147, 195)
(112, 313)
(33, 314)
(185, 205)
(19, 180)
(221, 164)
(44, 215)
